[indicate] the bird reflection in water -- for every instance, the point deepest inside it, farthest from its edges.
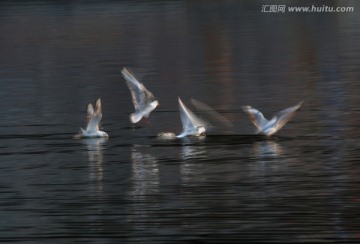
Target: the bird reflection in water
(265, 150)
(94, 148)
(192, 167)
(145, 186)
(266, 171)
(268, 156)
(145, 172)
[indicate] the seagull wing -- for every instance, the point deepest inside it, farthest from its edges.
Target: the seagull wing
(141, 96)
(256, 117)
(90, 112)
(188, 119)
(134, 86)
(283, 116)
(216, 118)
(93, 124)
(146, 97)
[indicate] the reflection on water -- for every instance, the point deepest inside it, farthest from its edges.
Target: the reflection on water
(55, 57)
(96, 160)
(269, 160)
(267, 168)
(145, 173)
(192, 167)
(193, 152)
(144, 188)
(267, 149)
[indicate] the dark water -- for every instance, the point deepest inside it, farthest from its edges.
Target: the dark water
(300, 185)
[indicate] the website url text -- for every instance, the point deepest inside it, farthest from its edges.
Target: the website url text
(305, 9)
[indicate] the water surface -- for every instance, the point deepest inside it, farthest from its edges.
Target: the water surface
(300, 185)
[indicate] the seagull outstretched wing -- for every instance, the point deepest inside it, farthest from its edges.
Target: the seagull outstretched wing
(143, 100)
(192, 124)
(94, 116)
(215, 119)
(283, 116)
(256, 117)
(278, 121)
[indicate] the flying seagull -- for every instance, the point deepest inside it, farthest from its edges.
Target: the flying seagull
(143, 100)
(192, 125)
(94, 117)
(269, 127)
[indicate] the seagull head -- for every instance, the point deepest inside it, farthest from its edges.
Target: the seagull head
(246, 108)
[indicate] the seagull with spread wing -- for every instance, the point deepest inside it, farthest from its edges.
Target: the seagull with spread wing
(192, 124)
(94, 117)
(143, 100)
(269, 127)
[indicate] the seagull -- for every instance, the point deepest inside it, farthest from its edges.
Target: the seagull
(144, 101)
(269, 127)
(192, 125)
(94, 117)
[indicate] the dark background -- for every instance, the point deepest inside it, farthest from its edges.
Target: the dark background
(57, 56)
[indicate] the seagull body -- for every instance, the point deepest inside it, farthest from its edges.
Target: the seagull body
(94, 117)
(143, 100)
(192, 125)
(269, 127)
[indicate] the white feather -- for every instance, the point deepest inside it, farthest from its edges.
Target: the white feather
(278, 121)
(94, 117)
(143, 100)
(192, 124)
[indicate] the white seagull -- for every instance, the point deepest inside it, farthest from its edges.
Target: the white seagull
(94, 117)
(192, 125)
(269, 127)
(143, 100)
